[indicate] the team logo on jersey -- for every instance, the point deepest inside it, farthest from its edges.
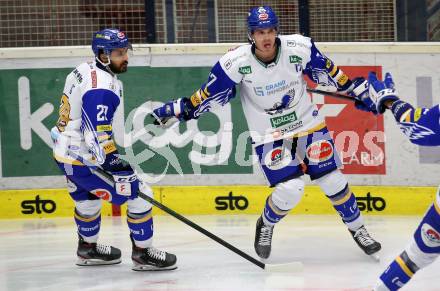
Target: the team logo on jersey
(415, 131)
(103, 194)
(319, 151)
(245, 70)
(286, 103)
(294, 59)
(278, 158)
(430, 236)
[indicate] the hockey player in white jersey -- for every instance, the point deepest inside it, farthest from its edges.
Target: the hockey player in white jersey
(289, 136)
(92, 93)
(422, 127)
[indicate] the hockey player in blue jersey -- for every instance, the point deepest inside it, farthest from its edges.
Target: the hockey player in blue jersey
(288, 134)
(422, 127)
(92, 93)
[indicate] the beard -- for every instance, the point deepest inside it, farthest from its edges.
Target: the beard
(122, 68)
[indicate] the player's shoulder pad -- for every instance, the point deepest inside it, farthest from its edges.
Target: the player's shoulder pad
(78, 76)
(297, 47)
(100, 96)
(234, 59)
(295, 41)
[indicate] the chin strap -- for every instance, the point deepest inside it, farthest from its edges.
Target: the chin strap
(104, 66)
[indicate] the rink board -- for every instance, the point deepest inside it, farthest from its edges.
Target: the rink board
(193, 200)
(217, 144)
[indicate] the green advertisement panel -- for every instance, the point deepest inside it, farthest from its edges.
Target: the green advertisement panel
(29, 109)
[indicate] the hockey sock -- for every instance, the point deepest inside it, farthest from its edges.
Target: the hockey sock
(141, 228)
(427, 235)
(345, 204)
(88, 226)
(399, 272)
(272, 214)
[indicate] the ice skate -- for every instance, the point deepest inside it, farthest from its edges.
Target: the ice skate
(366, 242)
(263, 239)
(152, 259)
(93, 254)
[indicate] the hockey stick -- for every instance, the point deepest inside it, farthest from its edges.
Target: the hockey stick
(295, 266)
(332, 94)
(287, 267)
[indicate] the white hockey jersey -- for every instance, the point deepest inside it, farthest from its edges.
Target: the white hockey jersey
(90, 98)
(274, 97)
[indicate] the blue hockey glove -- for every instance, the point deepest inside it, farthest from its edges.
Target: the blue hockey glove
(168, 114)
(172, 112)
(360, 93)
(381, 91)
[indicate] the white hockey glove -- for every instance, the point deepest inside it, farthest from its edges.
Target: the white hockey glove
(359, 91)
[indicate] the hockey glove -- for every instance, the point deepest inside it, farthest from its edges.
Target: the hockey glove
(172, 112)
(381, 91)
(360, 93)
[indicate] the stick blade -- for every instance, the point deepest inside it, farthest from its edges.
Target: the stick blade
(284, 268)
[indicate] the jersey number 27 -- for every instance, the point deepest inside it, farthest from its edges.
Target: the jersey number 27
(102, 112)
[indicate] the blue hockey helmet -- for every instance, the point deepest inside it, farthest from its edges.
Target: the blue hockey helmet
(261, 17)
(109, 39)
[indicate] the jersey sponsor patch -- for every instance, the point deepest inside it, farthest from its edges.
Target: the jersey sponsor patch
(343, 80)
(417, 114)
(277, 158)
(94, 79)
(319, 151)
(283, 120)
(245, 70)
(105, 127)
(291, 43)
(294, 59)
(78, 76)
(285, 130)
(102, 136)
(109, 147)
(228, 64)
(430, 236)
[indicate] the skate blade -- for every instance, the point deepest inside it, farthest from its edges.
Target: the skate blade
(96, 262)
(284, 268)
(375, 257)
(139, 267)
